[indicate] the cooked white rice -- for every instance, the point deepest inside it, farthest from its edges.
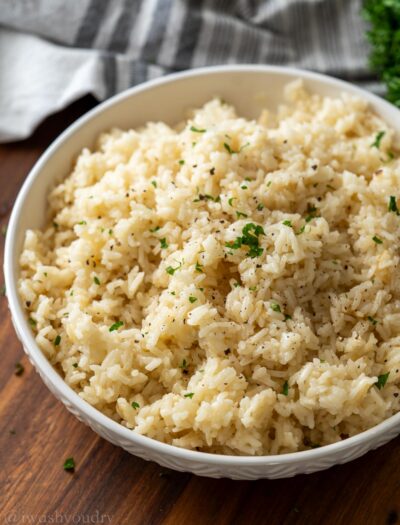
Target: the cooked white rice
(162, 308)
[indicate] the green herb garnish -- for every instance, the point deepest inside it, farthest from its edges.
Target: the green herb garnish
(163, 243)
(171, 270)
(115, 326)
(197, 130)
(275, 307)
(228, 148)
(287, 317)
(241, 214)
(190, 395)
(154, 183)
(75, 365)
(155, 229)
(250, 232)
(377, 240)
(135, 405)
(57, 340)
(393, 204)
(181, 162)
(260, 207)
(199, 268)
(82, 223)
(192, 299)
(32, 322)
(69, 464)
(232, 151)
(378, 138)
(382, 379)
(372, 320)
(285, 388)
(288, 223)
(96, 279)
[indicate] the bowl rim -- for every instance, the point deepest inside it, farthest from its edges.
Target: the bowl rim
(66, 393)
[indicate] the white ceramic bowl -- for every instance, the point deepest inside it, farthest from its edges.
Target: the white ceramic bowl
(249, 88)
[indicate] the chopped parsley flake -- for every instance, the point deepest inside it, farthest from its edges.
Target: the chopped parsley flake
(163, 243)
(190, 395)
(241, 214)
(206, 197)
(288, 223)
(96, 279)
(228, 148)
(285, 388)
(253, 288)
(197, 130)
(184, 364)
(69, 464)
(382, 379)
(232, 151)
(244, 187)
(155, 229)
(154, 183)
(115, 326)
(393, 205)
(199, 268)
(377, 240)
(75, 365)
(171, 270)
(237, 284)
(32, 322)
(57, 340)
(19, 369)
(260, 207)
(181, 162)
(372, 320)
(230, 201)
(287, 317)
(135, 405)
(192, 299)
(250, 232)
(275, 307)
(269, 183)
(378, 138)
(82, 222)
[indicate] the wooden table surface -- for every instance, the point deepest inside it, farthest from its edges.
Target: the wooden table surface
(111, 486)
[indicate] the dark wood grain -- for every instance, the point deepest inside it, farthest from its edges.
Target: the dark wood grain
(109, 485)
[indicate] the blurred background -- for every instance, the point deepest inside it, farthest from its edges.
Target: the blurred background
(52, 52)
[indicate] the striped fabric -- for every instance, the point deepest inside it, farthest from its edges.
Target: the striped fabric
(105, 46)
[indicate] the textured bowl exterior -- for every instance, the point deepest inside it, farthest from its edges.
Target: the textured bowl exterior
(202, 464)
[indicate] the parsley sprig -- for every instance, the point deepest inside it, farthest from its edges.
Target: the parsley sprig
(384, 19)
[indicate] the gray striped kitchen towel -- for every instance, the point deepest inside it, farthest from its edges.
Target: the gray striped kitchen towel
(54, 51)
